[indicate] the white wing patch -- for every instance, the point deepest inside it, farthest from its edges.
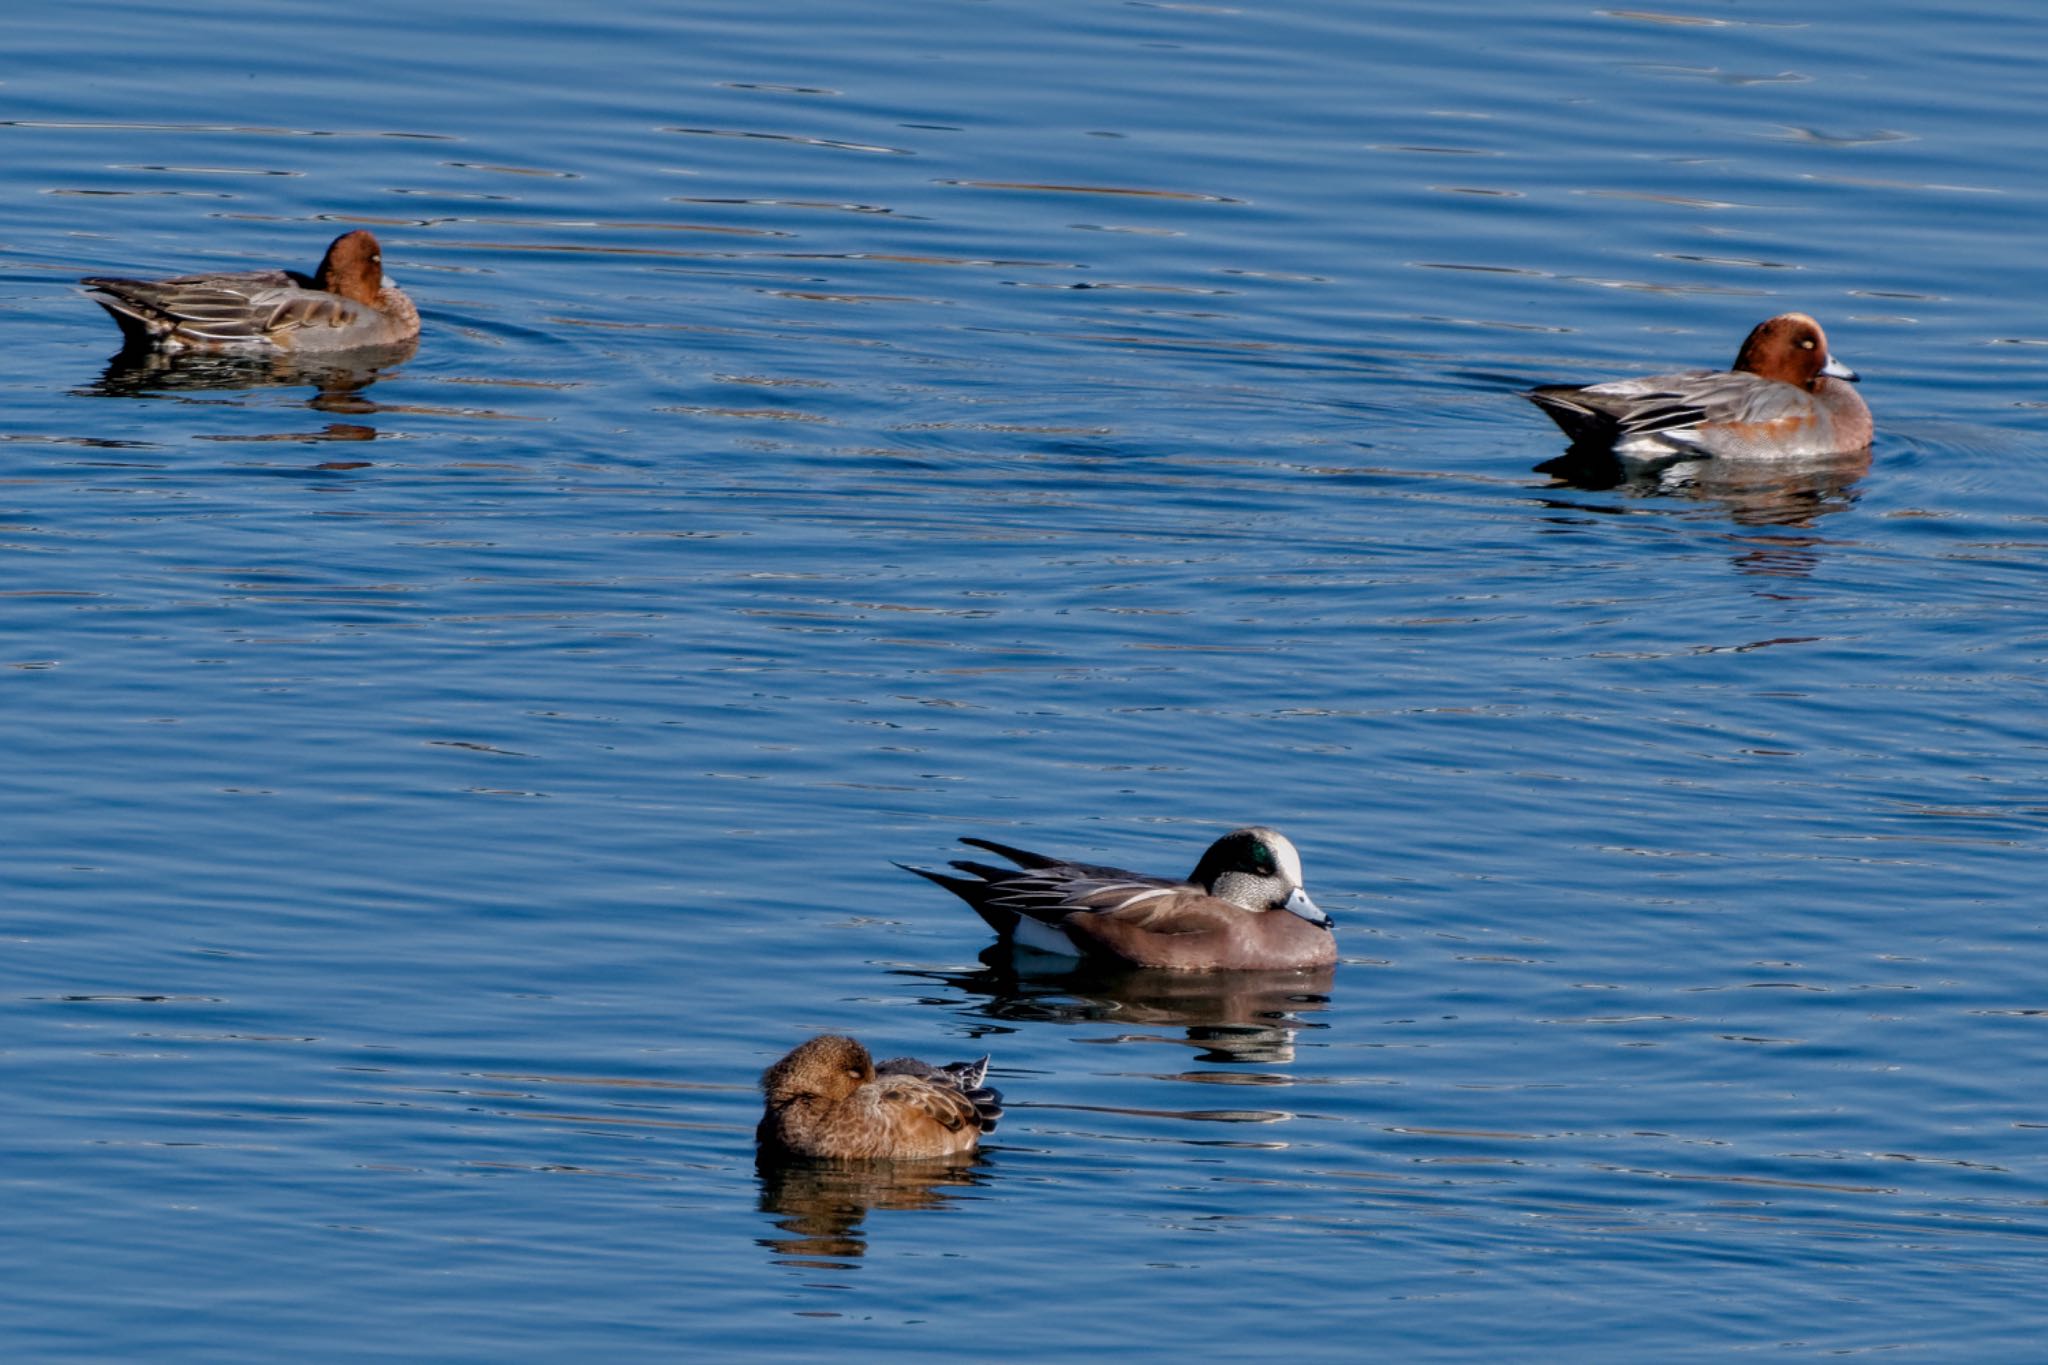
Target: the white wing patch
(1046, 938)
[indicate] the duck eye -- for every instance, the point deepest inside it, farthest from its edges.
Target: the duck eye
(1806, 344)
(1262, 858)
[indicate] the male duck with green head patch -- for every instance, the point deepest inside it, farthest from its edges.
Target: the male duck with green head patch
(1243, 908)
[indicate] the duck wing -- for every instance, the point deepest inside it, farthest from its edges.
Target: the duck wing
(1673, 412)
(965, 1077)
(1041, 888)
(1054, 893)
(247, 308)
(910, 1102)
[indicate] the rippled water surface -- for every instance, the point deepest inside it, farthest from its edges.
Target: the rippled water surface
(432, 793)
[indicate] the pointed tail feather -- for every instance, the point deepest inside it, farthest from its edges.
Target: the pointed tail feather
(1578, 420)
(975, 893)
(139, 323)
(1022, 857)
(986, 871)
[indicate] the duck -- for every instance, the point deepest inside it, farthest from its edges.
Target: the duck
(828, 1099)
(1242, 908)
(1786, 396)
(348, 303)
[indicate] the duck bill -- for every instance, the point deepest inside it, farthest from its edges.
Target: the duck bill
(1835, 369)
(1298, 903)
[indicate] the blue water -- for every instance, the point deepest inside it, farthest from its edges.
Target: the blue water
(431, 796)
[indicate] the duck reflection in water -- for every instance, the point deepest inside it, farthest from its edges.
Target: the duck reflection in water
(1225, 1017)
(1778, 492)
(339, 381)
(1758, 493)
(820, 1204)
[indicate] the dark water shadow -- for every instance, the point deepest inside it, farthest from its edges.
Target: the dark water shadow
(1227, 1017)
(820, 1206)
(339, 382)
(1751, 492)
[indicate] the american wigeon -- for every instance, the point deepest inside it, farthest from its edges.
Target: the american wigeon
(347, 304)
(827, 1098)
(1786, 397)
(1243, 907)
